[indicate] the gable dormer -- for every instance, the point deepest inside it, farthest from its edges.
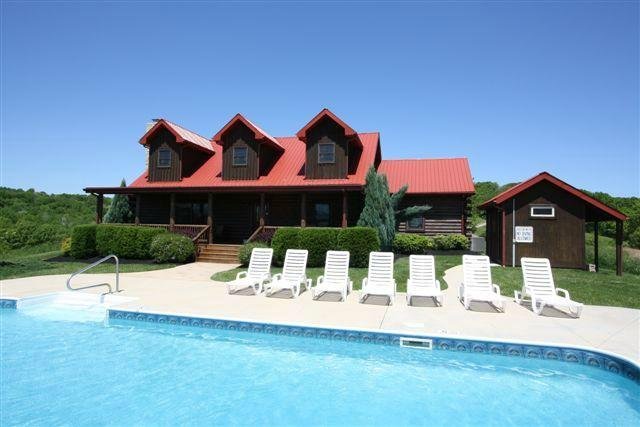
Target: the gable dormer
(174, 152)
(247, 150)
(330, 143)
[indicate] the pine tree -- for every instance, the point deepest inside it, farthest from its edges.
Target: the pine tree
(119, 211)
(381, 208)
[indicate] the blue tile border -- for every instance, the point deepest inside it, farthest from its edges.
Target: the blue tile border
(595, 359)
(8, 303)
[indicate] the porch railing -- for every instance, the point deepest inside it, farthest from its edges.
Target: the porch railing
(263, 233)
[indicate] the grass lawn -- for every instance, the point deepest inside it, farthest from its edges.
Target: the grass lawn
(603, 288)
(32, 262)
(401, 271)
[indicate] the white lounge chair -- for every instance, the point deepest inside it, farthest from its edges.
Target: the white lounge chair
(422, 279)
(335, 277)
(476, 283)
(257, 274)
(293, 274)
(379, 280)
(540, 287)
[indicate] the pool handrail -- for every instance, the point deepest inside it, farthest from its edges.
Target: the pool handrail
(84, 269)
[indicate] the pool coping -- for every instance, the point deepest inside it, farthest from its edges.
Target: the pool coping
(584, 355)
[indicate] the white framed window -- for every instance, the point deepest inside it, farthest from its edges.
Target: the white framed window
(240, 156)
(542, 211)
(326, 152)
(164, 158)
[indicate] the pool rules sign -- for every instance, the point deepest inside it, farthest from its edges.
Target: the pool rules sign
(524, 234)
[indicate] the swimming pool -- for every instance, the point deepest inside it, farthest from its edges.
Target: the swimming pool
(91, 373)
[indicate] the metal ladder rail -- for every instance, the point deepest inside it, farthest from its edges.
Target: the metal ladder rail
(84, 269)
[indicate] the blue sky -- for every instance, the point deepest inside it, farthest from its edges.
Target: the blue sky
(517, 87)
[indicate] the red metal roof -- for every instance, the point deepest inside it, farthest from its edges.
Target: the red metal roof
(288, 170)
(182, 135)
(546, 176)
(348, 130)
(429, 176)
(258, 133)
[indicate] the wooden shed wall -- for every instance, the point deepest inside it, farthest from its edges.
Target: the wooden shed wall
(560, 239)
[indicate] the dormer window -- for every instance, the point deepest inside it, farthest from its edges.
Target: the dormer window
(164, 158)
(326, 152)
(239, 156)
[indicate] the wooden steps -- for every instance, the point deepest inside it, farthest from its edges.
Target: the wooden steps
(220, 253)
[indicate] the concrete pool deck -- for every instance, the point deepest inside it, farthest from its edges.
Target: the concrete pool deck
(187, 290)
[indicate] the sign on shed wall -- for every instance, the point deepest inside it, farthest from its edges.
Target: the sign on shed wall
(524, 234)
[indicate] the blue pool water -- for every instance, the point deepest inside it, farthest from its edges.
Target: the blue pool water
(87, 373)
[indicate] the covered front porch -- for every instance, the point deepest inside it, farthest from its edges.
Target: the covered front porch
(235, 217)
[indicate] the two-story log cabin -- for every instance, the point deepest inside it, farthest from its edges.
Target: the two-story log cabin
(242, 180)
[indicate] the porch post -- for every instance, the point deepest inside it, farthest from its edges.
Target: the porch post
(172, 211)
(303, 210)
(619, 248)
(137, 220)
(596, 259)
(210, 216)
(99, 207)
(262, 210)
(344, 209)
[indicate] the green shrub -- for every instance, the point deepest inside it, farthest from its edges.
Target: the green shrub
(285, 238)
(132, 242)
(83, 241)
(318, 241)
(28, 233)
(244, 254)
(359, 241)
(65, 246)
(408, 244)
(448, 242)
(169, 247)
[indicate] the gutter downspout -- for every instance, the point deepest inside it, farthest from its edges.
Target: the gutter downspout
(513, 232)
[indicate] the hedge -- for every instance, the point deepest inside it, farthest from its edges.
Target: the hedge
(83, 241)
(169, 247)
(359, 241)
(447, 242)
(132, 242)
(318, 241)
(407, 244)
(244, 253)
(285, 238)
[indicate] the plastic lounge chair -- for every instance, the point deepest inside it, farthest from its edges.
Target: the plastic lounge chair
(379, 280)
(540, 287)
(476, 283)
(257, 274)
(293, 274)
(422, 279)
(335, 277)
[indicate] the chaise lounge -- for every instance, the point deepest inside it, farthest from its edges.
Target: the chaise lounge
(256, 275)
(540, 287)
(293, 274)
(477, 284)
(422, 280)
(379, 280)
(335, 277)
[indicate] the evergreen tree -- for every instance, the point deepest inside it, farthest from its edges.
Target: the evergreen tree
(119, 211)
(381, 208)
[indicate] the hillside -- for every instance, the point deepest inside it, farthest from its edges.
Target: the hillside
(29, 218)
